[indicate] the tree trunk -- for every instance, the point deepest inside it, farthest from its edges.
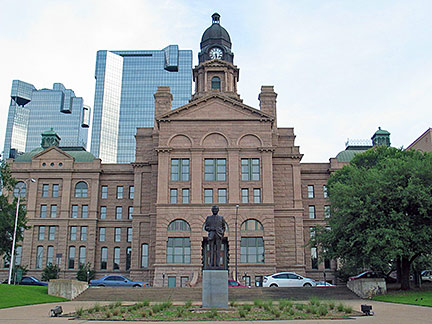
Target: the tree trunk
(398, 270)
(405, 272)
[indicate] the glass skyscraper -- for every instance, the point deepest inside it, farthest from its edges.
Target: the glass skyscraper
(125, 84)
(32, 112)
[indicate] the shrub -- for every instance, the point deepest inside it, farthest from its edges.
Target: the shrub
(322, 310)
(258, 303)
(117, 304)
(79, 311)
(144, 303)
(97, 307)
(188, 303)
(340, 308)
(180, 311)
(212, 314)
(348, 309)
(242, 312)
(331, 305)
(51, 271)
(116, 312)
(314, 301)
(300, 307)
(85, 272)
(108, 315)
(233, 303)
(144, 314)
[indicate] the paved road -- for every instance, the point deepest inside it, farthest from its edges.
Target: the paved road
(385, 313)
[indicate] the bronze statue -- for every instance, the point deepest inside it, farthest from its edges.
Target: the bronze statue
(215, 226)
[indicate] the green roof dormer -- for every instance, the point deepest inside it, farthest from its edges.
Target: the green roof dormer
(381, 137)
(50, 138)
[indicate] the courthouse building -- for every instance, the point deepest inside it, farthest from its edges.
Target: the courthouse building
(145, 219)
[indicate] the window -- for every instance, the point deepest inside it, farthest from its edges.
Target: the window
(144, 255)
(185, 196)
(312, 212)
(312, 232)
(39, 257)
(129, 234)
(43, 211)
(18, 255)
(116, 261)
(45, 189)
(131, 192)
(104, 258)
(314, 258)
(73, 233)
(178, 250)
(325, 193)
(245, 195)
(104, 192)
(252, 225)
(119, 192)
(55, 190)
(327, 213)
(103, 212)
(128, 258)
(214, 169)
(20, 185)
(119, 212)
(71, 259)
(130, 212)
(250, 169)
(82, 255)
(83, 236)
(41, 234)
(81, 190)
(50, 255)
(252, 250)
(102, 234)
(208, 196)
(179, 169)
(257, 195)
(327, 264)
(84, 211)
(117, 234)
(222, 196)
(173, 196)
(74, 211)
(51, 233)
(215, 83)
(310, 191)
(53, 211)
(179, 225)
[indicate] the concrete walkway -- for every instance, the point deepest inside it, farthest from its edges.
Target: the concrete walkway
(385, 313)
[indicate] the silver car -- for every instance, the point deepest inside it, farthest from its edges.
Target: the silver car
(287, 279)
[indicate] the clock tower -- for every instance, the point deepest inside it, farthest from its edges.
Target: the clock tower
(216, 71)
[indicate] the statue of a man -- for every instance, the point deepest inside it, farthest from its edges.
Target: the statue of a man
(215, 226)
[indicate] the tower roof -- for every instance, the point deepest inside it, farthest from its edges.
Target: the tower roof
(215, 34)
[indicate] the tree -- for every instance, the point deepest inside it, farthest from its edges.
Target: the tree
(8, 211)
(85, 272)
(381, 210)
(51, 271)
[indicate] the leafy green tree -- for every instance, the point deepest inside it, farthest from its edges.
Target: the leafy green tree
(51, 271)
(8, 211)
(381, 211)
(85, 272)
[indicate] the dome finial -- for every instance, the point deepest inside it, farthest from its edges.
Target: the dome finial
(215, 18)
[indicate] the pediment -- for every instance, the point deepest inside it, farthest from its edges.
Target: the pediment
(52, 153)
(215, 107)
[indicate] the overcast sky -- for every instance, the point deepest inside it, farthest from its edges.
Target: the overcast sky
(341, 68)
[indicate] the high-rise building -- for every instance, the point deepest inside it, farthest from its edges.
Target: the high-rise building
(32, 111)
(125, 84)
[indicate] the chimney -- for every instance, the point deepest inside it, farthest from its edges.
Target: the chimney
(163, 99)
(267, 99)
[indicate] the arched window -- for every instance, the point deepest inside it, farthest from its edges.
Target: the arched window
(179, 225)
(19, 185)
(252, 225)
(81, 190)
(215, 83)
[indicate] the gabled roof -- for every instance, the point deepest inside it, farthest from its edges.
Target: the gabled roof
(426, 133)
(77, 154)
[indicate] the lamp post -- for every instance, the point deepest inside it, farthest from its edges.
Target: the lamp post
(12, 261)
(235, 240)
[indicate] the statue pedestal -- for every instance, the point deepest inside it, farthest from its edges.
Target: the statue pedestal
(215, 289)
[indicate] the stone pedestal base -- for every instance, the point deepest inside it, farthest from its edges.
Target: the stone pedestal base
(215, 289)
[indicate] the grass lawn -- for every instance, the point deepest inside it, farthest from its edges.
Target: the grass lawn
(11, 296)
(421, 298)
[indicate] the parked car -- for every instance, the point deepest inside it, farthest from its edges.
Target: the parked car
(373, 274)
(117, 281)
(324, 284)
(236, 284)
(287, 279)
(29, 281)
(426, 275)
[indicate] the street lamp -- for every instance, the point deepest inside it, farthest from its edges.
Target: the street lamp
(11, 264)
(236, 217)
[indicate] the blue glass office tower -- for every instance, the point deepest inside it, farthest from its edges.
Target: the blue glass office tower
(125, 84)
(32, 111)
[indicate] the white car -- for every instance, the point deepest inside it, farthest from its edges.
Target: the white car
(287, 279)
(426, 275)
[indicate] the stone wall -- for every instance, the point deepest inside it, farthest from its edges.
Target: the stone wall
(69, 289)
(367, 288)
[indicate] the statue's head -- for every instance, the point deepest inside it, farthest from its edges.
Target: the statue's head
(215, 209)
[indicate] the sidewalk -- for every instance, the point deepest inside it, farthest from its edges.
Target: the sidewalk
(385, 313)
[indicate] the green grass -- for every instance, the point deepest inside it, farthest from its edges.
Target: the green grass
(420, 298)
(11, 296)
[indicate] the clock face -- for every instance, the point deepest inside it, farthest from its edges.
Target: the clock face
(216, 53)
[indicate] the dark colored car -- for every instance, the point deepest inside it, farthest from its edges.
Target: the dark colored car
(29, 281)
(117, 281)
(373, 274)
(236, 284)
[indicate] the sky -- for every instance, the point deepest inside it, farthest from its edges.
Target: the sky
(341, 68)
